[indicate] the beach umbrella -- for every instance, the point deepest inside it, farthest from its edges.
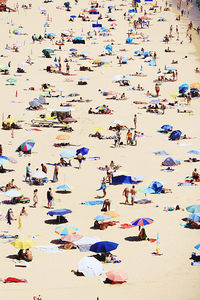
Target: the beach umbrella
(109, 48)
(174, 95)
(69, 120)
(13, 193)
(63, 188)
(68, 153)
(73, 17)
(84, 78)
(9, 120)
(82, 150)
(195, 85)
(98, 128)
(175, 135)
(84, 52)
(117, 276)
(169, 161)
(90, 266)
(167, 127)
(71, 237)
(87, 241)
(112, 214)
(197, 247)
(194, 152)
(102, 218)
(5, 68)
(193, 209)
(23, 243)
(142, 222)
(111, 7)
(183, 88)
(59, 212)
(62, 137)
(45, 51)
(27, 145)
(38, 174)
(73, 50)
(64, 230)
(3, 160)
(34, 103)
(11, 80)
(194, 217)
(103, 247)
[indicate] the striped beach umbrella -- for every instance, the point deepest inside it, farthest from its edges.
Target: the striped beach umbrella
(27, 145)
(142, 222)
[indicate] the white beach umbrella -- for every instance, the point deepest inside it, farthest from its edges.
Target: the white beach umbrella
(38, 174)
(13, 193)
(87, 240)
(90, 266)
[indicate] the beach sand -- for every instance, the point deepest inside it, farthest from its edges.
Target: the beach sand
(167, 276)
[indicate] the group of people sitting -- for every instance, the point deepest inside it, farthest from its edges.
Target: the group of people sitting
(104, 109)
(27, 255)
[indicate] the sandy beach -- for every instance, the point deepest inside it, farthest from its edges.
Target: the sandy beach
(168, 275)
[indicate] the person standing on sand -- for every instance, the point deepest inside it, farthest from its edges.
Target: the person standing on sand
(35, 198)
(28, 172)
(80, 159)
(55, 174)
(50, 198)
(1, 150)
(133, 193)
(126, 194)
(135, 121)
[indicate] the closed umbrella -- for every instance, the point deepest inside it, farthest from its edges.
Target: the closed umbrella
(117, 276)
(23, 243)
(90, 266)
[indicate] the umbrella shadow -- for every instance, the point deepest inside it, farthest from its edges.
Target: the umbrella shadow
(132, 239)
(125, 203)
(56, 222)
(57, 242)
(12, 256)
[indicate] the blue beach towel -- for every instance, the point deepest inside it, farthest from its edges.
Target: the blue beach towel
(93, 202)
(161, 152)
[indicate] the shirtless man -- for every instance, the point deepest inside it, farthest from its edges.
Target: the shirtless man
(133, 193)
(126, 193)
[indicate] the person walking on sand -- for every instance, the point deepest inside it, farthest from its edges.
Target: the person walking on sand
(28, 172)
(135, 121)
(126, 194)
(133, 193)
(55, 174)
(135, 138)
(50, 198)
(80, 159)
(35, 198)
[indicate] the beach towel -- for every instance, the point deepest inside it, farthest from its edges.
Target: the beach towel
(15, 280)
(185, 184)
(21, 263)
(142, 201)
(33, 129)
(125, 226)
(93, 158)
(84, 247)
(93, 202)
(161, 152)
(49, 248)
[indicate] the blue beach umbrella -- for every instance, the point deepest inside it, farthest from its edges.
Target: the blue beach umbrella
(73, 17)
(73, 50)
(167, 127)
(3, 160)
(194, 152)
(109, 48)
(183, 88)
(197, 247)
(63, 187)
(103, 247)
(59, 212)
(194, 217)
(194, 209)
(83, 150)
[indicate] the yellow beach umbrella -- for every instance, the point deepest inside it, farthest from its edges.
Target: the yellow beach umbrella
(23, 243)
(174, 95)
(10, 120)
(97, 61)
(63, 137)
(97, 128)
(112, 214)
